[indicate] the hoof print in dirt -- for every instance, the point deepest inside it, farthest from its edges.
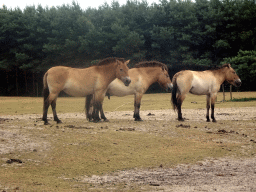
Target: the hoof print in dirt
(126, 129)
(10, 161)
(154, 184)
(183, 126)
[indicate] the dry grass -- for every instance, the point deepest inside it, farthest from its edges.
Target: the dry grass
(77, 147)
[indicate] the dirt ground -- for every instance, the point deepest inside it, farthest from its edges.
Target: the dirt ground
(225, 174)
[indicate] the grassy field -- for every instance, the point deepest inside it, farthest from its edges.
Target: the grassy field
(28, 105)
(56, 156)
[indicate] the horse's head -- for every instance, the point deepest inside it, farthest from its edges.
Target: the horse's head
(164, 80)
(122, 72)
(231, 76)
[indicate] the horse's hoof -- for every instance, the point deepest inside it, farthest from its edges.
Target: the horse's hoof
(182, 119)
(138, 119)
(106, 120)
(208, 120)
(46, 123)
(58, 122)
(96, 120)
(214, 121)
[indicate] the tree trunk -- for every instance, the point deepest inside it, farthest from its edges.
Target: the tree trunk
(17, 84)
(231, 92)
(223, 92)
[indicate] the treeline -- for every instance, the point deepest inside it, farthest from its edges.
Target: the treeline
(178, 33)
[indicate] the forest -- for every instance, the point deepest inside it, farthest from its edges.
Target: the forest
(182, 34)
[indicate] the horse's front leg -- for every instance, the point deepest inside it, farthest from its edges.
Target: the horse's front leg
(137, 101)
(213, 99)
(89, 107)
(97, 106)
(102, 115)
(207, 107)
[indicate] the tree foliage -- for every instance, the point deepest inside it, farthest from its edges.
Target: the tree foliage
(175, 32)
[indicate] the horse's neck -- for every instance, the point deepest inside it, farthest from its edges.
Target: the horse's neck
(152, 74)
(108, 71)
(220, 75)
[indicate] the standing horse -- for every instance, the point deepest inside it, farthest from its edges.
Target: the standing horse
(202, 83)
(82, 82)
(142, 76)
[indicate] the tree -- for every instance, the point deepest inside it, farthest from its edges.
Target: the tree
(245, 65)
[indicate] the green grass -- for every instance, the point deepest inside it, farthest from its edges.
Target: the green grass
(242, 99)
(34, 105)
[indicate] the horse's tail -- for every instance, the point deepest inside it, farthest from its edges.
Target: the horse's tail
(88, 105)
(174, 94)
(46, 91)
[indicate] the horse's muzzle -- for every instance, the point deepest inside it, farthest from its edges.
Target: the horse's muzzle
(126, 81)
(238, 82)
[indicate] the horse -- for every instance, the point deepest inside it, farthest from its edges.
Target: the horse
(81, 82)
(142, 76)
(202, 83)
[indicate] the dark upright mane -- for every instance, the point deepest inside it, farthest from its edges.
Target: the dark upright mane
(109, 60)
(220, 67)
(151, 64)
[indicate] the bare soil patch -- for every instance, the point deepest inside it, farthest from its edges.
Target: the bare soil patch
(225, 174)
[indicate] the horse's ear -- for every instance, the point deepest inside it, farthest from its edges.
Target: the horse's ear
(229, 66)
(127, 62)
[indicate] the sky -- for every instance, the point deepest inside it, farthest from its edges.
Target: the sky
(84, 4)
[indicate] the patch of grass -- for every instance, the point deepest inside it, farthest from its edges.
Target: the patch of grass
(242, 99)
(34, 105)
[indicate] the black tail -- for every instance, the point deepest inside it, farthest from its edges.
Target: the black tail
(174, 97)
(46, 93)
(46, 88)
(88, 105)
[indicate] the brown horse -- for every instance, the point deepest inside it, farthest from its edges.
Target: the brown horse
(142, 76)
(82, 82)
(202, 83)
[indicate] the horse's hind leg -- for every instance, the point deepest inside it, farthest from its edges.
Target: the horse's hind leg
(53, 104)
(180, 99)
(137, 101)
(213, 98)
(207, 107)
(45, 110)
(47, 102)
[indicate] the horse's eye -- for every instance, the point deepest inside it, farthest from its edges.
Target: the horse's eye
(121, 70)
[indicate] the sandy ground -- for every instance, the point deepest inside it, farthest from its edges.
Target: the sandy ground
(225, 174)
(210, 175)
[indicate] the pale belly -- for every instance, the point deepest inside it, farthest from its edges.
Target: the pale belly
(78, 90)
(117, 88)
(201, 87)
(199, 90)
